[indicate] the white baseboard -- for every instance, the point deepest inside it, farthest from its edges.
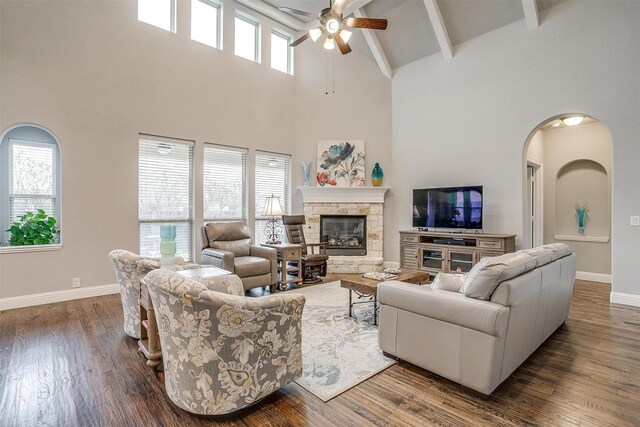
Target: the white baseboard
(391, 264)
(626, 299)
(57, 296)
(593, 277)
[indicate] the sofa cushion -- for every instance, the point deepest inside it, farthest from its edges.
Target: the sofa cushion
(448, 282)
(542, 256)
(487, 274)
(247, 266)
(559, 249)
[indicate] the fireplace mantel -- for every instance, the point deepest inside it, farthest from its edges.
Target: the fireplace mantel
(319, 194)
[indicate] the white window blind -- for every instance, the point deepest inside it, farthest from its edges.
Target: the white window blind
(205, 22)
(165, 194)
(32, 184)
(159, 13)
(272, 176)
(225, 195)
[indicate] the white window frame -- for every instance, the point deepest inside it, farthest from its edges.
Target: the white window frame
(245, 183)
(219, 6)
(256, 23)
(6, 168)
(191, 220)
(286, 203)
(289, 38)
(172, 24)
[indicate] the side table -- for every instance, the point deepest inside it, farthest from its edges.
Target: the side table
(149, 342)
(287, 252)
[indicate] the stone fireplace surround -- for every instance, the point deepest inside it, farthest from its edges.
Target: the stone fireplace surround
(367, 201)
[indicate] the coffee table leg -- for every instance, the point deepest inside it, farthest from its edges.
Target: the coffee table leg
(375, 310)
(350, 303)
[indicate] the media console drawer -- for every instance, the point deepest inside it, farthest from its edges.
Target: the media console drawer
(490, 243)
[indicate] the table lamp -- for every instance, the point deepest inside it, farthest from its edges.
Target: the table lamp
(272, 210)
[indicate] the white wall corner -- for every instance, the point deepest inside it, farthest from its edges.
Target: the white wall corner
(57, 296)
(626, 299)
(593, 277)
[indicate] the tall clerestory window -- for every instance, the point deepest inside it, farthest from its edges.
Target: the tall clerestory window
(206, 22)
(159, 13)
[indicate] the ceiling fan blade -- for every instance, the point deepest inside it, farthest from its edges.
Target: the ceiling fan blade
(368, 23)
(300, 39)
(298, 12)
(338, 7)
(344, 47)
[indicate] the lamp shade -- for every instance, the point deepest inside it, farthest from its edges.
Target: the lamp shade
(416, 214)
(272, 206)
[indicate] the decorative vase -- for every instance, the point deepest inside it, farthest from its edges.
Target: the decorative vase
(168, 247)
(581, 212)
(377, 175)
(306, 170)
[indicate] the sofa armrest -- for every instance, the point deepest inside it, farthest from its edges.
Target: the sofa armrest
(452, 307)
(219, 258)
(269, 253)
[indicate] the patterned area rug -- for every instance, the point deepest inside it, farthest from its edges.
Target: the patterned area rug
(338, 352)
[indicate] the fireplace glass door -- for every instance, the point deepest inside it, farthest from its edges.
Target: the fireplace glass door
(344, 234)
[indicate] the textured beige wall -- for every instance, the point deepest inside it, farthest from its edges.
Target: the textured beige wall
(577, 169)
(96, 77)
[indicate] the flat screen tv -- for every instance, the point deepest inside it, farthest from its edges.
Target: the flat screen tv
(448, 208)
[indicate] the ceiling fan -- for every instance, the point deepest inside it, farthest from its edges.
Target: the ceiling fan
(335, 26)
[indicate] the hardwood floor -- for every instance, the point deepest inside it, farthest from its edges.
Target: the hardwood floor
(70, 364)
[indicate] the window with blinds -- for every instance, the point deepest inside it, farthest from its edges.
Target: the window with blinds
(225, 196)
(32, 178)
(165, 194)
(272, 176)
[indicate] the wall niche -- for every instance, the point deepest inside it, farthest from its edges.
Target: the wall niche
(577, 183)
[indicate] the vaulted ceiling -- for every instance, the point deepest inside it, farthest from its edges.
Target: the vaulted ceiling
(417, 28)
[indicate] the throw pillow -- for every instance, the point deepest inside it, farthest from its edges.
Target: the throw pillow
(486, 275)
(448, 282)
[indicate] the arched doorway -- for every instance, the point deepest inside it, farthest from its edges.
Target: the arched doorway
(567, 164)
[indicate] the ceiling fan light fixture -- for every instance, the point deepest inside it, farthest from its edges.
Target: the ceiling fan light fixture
(345, 35)
(573, 120)
(329, 43)
(315, 33)
(333, 25)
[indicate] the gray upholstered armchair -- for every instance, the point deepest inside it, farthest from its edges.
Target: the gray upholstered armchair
(130, 268)
(227, 245)
(223, 351)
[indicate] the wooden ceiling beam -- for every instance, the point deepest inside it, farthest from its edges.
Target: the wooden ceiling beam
(355, 5)
(275, 14)
(531, 14)
(435, 16)
(374, 45)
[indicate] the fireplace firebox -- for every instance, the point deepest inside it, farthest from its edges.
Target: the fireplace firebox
(344, 234)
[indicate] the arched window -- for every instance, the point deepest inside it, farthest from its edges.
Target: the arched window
(30, 175)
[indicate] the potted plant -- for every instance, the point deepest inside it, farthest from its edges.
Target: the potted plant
(34, 229)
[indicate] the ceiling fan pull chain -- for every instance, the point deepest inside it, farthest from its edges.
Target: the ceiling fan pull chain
(333, 74)
(326, 75)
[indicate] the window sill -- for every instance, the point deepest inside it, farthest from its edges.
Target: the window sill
(29, 248)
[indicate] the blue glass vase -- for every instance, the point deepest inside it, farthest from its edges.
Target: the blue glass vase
(377, 176)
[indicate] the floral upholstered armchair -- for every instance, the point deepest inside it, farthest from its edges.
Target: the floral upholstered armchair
(223, 351)
(130, 268)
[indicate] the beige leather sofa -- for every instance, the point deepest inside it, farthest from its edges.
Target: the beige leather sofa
(505, 308)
